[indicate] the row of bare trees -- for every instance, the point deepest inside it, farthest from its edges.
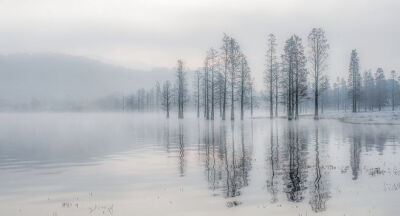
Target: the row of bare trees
(288, 77)
(295, 80)
(371, 91)
(224, 81)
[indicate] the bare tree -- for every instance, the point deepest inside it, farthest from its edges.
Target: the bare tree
(343, 93)
(206, 89)
(197, 78)
(319, 47)
(251, 98)
(181, 87)
(234, 64)
(166, 97)
(158, 96)
(300, 73)
(294, 82)
(369, 90)
(287, 81)
(220, 89)
(354, 79)
(276, 85)
(381, 96)
(271, 71)
(324, 91)
(212, 57)
(245, 84)
(393, 89)
(225, 65)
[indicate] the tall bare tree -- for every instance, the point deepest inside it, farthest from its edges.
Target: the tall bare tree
(251, 98)
(393, 88)
(294, 82)
(225, 64)
(300, 73)
(197, 79)
(369, 90)
(234, 57)
(244, 84)
(318, 55)
(166, 97)
(354, 79)
(212, 57)
(181, 87)
(276, 86)
(158, 96)
(206, 89)
(271, 71)
(381, 91)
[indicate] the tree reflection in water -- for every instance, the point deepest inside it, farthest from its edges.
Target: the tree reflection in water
(227, 164)
(181, 150)
(355, 151)
(319, 192)
(273, 161)
(295, 164)
(295, 156)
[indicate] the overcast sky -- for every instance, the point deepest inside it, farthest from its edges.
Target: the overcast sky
(155, 33)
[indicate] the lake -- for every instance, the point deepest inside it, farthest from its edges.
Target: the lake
(143, 164)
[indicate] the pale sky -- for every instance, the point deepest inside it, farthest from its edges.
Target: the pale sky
(155, 33)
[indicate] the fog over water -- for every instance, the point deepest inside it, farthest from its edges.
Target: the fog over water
(127, 163)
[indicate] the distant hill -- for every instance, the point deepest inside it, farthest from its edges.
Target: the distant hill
(48, 77)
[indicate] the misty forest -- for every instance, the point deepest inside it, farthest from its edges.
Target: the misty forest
(295, 85)
(204, 111)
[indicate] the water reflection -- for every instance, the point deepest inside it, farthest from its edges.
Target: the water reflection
(273, 160)
(181, 149)
(300, 163)
(355, 151)
(295, 162)
(320, 192)
(295, 154)
(227, 160)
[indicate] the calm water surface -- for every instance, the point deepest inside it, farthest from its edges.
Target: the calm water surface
(130, 164)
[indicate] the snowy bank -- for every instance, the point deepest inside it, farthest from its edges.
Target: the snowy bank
(383, 117)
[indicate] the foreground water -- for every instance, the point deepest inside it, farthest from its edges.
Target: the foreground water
(129, 164)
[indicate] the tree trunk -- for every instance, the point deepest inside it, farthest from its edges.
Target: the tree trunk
(316, 93)
(251, 101)
(207, 99)
(167, 103)
(224, 100)
(232, 101)
(212, 94)
(271, 105)
(289, 108)
(198, 95)
(297, 94)
(393, 94)
(276, 97)
(241, 101)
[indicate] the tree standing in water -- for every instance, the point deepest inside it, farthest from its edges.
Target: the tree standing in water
(234, 64)
(271, 72)
(197, 77)
(166, 97)
(354, 79)
(393, 89)
(244, 85)
(318, 55)
(295, 79)
(181, 88)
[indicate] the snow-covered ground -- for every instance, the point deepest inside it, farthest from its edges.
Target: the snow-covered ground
(383, 117)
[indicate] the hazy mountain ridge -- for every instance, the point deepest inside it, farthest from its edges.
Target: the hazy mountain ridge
(58, 77)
